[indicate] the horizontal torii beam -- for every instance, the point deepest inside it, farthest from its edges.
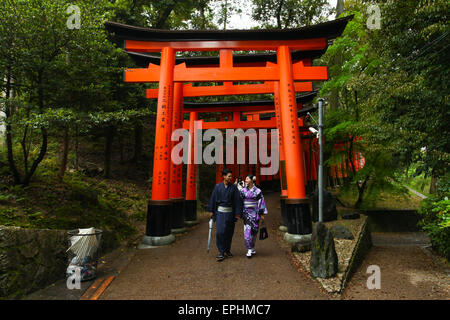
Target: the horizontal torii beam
(216, 45)
(228, 109)
(261, 124)
(269, 73)
(259, 112)
(266, 108)
(244, 106)
(223, 90)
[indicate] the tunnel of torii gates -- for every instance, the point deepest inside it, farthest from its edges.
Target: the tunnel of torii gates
(282, 74)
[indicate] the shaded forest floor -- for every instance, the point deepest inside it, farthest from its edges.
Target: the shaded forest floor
(396, 199)
(84, 198)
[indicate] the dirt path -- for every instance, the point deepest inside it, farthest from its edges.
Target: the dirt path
(408, 270)
(184, 270)
(416, 193)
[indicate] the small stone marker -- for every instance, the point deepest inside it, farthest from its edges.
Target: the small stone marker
(349, 216)
(341, 232)
(324, 261)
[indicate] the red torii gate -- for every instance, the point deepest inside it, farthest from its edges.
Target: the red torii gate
(226, 60)
(171, 77)
(250, 108)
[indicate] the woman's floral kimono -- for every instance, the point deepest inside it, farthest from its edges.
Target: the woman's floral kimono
(254, 207)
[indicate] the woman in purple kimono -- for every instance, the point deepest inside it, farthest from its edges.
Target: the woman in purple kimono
(254, 211)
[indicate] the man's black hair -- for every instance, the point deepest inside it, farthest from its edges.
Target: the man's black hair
(226, 171)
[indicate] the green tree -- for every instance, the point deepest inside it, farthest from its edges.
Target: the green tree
(38, 40)
(284, 14)
(226, 9)
(50, 66)
(391, 90)
(349, 125)
(414, 45)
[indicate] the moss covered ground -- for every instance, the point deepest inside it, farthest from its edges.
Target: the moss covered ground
(117, 206)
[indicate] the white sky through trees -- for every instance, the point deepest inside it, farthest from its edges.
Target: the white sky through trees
(245, 21)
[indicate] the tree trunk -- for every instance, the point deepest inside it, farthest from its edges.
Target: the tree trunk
(361, 190)
(43, 150)
(350, 156)
(334, 94)
(433, 182)
(110, 132)
(164, 15)
(24, 149)
(225, 16)
(280, 6)
(41, 156)
(339, 7)
(138, 134)
(121, 148)
(422, 187)
(77, 132)
(202, 14)
(406, 174)
(9, 143)
(65, 154)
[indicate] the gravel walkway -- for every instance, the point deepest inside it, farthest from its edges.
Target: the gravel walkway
(184, 270)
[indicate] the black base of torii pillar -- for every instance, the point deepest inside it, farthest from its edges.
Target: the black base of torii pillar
(177, 216)
(284, 220)
(190, 212)
(158, 230)
(299, 225)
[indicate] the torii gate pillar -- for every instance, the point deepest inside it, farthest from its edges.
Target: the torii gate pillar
(158, 230)
(297, 204)
(190, 204)
(284, 193)
(176, 188)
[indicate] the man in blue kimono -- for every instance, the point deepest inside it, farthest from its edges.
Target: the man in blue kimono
(225, 207)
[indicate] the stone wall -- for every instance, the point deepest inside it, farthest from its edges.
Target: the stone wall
(30, 259)
(393, 220)
(362, 246)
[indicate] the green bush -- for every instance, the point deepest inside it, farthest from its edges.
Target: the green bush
(80, 192)
(4, 198)
(435, 212)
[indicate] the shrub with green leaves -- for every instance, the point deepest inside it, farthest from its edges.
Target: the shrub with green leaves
(435, 220)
